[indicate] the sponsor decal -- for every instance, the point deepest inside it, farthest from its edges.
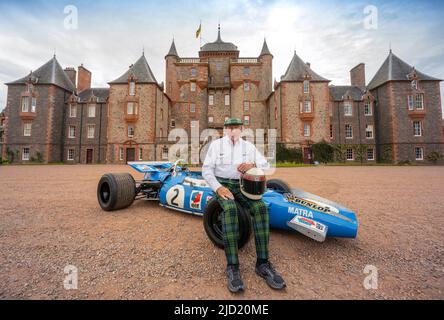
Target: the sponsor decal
(300, 212)
(315, 205)
(196, 199)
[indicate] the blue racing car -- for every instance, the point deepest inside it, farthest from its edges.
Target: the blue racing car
(178, 188)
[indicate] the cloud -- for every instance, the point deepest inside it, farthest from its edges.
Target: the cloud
(111, 35)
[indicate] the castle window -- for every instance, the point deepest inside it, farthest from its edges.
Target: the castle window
(246, 86)
(70, 154)
(27, 129)
(25, 154)
(132, 88)
(193, 86)
(210, 119)
(211, 100)
(33, 104)
(420, 101)
(140, 153)
(72, 111)
(246, 71)
(419, 153)
(410, 102)
(307, 106)
(72, 132)
(306, 86)
(193, 72)
(246, 106)
(369, 131)
(218, 66)
(164, 153)
(227, 79)
(91, 129)
(25, 104)
(173, 123)
(370, 154)
(121, 153)
(348, 109)
(307, 128)
(368, 108)
(130, 131)
(247, 120)
(331, 131)
(192, 107)
(348, 131)
(227, 99)
(349, 154)
(417, 128)
(92, 111)
(130, 108)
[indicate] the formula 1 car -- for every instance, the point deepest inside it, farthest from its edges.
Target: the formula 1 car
(178, 188)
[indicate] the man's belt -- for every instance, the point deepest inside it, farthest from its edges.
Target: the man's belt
(228, 179)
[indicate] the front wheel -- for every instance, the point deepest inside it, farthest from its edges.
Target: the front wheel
(278, 185)
(116, 191)
(213, 224)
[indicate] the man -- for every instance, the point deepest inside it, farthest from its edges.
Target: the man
(227, 158)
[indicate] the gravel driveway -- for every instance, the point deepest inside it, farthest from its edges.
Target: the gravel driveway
(49, 218)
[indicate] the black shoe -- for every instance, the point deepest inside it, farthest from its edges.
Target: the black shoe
(234, 280)
(274, 279)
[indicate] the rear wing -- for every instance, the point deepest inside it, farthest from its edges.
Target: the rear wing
(150, 166)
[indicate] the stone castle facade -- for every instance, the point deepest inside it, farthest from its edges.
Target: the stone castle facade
(53, 114)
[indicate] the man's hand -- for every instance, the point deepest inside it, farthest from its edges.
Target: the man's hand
(225, 193)
(244, 167)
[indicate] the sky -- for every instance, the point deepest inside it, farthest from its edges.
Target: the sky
(108, 36)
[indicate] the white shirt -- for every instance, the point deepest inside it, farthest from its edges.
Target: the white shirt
(223, 158)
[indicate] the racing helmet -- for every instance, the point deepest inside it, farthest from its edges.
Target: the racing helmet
(253, 183)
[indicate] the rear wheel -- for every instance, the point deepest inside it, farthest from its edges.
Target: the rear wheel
(116, 191)
(278, 185)
(213, 224)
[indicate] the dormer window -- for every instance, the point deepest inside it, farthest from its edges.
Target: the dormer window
(414, 84)
(347, 108)
(30, 88)
(132, 88)
(306, 86)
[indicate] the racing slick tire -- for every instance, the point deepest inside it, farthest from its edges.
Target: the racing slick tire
(116, 191)
(213, 224)
(278, 185)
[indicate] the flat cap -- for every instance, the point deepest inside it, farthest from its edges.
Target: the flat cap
(233, 122)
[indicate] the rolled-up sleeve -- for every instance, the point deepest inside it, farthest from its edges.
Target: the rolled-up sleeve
(209, 167)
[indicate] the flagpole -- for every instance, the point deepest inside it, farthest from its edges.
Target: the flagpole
(200, 34)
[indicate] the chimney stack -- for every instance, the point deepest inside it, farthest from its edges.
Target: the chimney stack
(308, 64)
(71, 73)
(84, 79)
(357, 76)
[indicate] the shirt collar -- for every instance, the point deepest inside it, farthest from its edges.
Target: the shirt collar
(227, 139)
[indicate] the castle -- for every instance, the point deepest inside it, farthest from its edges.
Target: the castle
(54, 115)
